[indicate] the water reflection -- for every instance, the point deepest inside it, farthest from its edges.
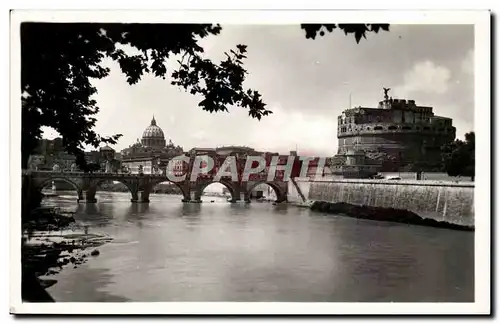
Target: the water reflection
(96, 215)
(190, 209)
(138, 209)
(281, 209)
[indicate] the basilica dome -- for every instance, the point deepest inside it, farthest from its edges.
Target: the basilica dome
(153, 135)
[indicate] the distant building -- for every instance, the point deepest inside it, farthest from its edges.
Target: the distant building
(236, 150)
(151, 154)
(93, 157)
(36, 162)
(107, 153)
(202, 151)
(49, 153)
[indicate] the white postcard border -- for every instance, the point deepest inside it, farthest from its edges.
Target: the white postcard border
(481, 20)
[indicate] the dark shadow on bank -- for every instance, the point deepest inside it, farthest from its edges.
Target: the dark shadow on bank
(32, 290)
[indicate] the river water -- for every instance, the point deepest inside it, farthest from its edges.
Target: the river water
(170, 251)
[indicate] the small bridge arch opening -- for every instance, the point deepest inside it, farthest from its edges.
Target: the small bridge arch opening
(108, 185)
(113, 185)
(218, 189)
(266, 190)
(53, 184)
(169, 188)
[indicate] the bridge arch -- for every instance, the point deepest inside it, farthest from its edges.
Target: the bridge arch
(184, 190)
(279, 190)
(96, 183)
(76, 185)
(233, 190)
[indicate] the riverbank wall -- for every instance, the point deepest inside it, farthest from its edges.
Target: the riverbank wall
(443, 201)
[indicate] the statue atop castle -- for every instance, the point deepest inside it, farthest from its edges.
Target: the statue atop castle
(386, 96)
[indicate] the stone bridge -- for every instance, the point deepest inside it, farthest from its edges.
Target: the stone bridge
(140, 186)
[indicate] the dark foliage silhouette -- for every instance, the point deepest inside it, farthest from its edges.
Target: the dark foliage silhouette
(459, 157)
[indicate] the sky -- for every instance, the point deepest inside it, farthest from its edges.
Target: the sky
(306, 83)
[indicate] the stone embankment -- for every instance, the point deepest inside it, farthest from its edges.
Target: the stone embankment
(422, 202)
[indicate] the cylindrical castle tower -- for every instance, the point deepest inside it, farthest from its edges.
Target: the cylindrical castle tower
(398, 131)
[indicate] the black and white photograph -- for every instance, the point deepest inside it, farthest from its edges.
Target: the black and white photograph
(266, 158)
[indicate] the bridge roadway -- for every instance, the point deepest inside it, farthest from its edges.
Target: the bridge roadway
(140, 186)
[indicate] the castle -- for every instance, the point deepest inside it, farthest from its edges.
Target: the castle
(398, 135)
